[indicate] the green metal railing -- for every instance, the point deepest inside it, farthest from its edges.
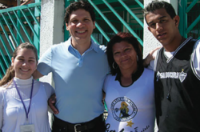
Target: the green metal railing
(189, 12)
(112, 16)
(17, 25)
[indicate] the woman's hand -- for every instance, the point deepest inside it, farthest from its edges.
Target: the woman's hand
(51, 102)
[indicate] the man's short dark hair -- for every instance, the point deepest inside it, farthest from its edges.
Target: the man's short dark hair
(79, 5)
(155, 5)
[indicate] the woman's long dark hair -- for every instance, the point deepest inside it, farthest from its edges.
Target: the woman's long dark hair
(127, 37)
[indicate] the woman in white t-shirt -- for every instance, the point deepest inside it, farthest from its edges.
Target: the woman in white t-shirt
(129, 89)
(23, 100)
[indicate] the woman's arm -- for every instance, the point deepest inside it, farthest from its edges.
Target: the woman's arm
(1, 118)
(51, 98)
(49, 89)
(1, 107)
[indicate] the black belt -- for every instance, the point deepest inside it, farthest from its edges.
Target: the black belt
(78, 127)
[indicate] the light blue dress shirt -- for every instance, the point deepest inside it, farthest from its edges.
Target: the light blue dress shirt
(78, 80)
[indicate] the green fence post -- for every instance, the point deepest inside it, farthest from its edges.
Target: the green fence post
(37, 30)
(10, 29)
(6, 35)
(125, 24)
(183, 17)
(94, 39)
(3, 42)
(191, 5)
(31, 26)
(18, 32)
(33, 5)
(1, 52)
(18, 27)
(193, 24)
(23, 27)
(102, 32)
(103, 16)
(140, 4)
(66, 32)
(1, 76)
(34, 17)
(1, 62)
(132, 14)
(39, 12)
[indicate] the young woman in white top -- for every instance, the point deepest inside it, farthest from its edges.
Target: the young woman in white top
(23, 100)
(129, 88)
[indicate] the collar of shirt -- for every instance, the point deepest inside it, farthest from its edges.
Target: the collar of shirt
(135, 75)
(76, 53)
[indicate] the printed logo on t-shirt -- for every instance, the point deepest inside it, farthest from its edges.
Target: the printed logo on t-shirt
(123, 109)
(174, 75)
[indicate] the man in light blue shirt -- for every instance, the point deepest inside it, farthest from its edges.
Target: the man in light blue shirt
(79, 67)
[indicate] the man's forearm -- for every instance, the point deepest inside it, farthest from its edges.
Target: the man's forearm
(37, 74)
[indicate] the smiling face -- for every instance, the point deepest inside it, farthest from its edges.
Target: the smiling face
(125, 56)
(163, 27)
(80, 26)
(24, 64)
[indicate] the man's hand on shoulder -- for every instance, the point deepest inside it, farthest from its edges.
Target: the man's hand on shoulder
(150, 57)
(37, 74)
(51, 102)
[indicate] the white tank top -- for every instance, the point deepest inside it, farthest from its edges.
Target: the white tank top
(15, 116)
(132, 108)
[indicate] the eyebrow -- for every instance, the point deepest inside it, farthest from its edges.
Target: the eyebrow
(115, 51)
(31, 58)
(124, 49)
(23, 57)
(158, 19)
(75, 17)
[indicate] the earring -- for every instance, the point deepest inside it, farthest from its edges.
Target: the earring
(113, 65)
(137, 58)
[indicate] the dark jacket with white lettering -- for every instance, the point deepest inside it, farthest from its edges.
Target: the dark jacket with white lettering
(177, 90)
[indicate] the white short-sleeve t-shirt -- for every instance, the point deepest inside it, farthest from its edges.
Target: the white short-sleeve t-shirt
(132, 108)
(12, 113)
(195, 58)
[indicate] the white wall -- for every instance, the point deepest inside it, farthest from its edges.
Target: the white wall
(52, 21)
(150, 42)
(51, 29)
